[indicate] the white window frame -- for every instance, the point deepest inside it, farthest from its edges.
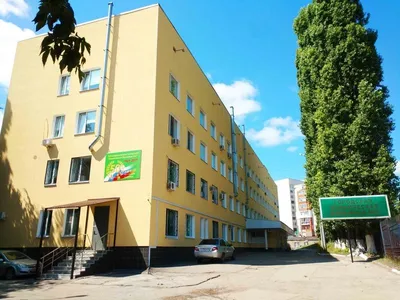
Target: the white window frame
(238, 206)
(222, 168)
(193, 191)
(75, 211)
(231, 203)
(89, 73)
(86, 122)
(223, 201)
(177, 133)
(191, 99)
(54, 172)
(214, 161)
(204, 228)
(244, 236)
(221, 140)
(229, 145)
(176, 225)
(62, 127)
(206, 189)
(193, 142)
(213, 130)
(205, 119)
(230, 174)
(60, 85)
(80, 170)
(224, 231)
(193, 223)
(178, 86)
(176, 179)
(241, 162)
(239, 231)
(242, 184)
(47, 227)
(214, 195)
(243, 210)
(205, 152)
(232, 233)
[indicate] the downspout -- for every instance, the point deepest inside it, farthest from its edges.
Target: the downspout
(245, 170)
(103, 80)
(234, 153)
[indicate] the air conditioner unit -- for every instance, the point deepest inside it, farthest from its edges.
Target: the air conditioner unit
(175, 142)
(47, 143)
(221, 147)
(3, 215)
(171, 186)
(229, 155)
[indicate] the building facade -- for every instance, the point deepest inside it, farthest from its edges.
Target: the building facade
(306, 221)
(287, 202)
(157, 164)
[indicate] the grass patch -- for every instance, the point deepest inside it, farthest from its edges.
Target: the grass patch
(330, 247)
(390, 262)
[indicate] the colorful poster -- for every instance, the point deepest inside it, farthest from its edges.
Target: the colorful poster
(123, 166)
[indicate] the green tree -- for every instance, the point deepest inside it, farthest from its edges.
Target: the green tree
(62, 43)
(345, 116)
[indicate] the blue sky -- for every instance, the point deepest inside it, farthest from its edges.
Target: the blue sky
(247, 49)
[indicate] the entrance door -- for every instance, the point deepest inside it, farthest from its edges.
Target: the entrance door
(100, 227)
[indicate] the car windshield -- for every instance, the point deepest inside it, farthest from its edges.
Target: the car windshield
(14, 255)
(209, 242)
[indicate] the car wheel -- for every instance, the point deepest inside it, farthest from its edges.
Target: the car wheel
(10, 274)
(199, 260)
(222, 258)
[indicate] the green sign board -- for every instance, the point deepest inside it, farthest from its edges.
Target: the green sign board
(122, 166)
(354, 207)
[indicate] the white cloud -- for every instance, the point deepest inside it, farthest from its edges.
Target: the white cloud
(240, 94)
(10, 34)
(276, 131)
(292, 148)
(14, 7)
(397, 171)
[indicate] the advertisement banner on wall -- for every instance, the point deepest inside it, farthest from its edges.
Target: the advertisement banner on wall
(121, 166)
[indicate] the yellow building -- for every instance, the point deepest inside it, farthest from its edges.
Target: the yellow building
(156, 157)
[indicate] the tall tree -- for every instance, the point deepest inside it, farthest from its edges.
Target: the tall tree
(345, 116)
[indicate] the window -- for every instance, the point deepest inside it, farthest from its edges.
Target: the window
(244, 210)
(51, 172)
(214, 194)
(245, 236)
(91, 80)
(221, 141)
(71, 222)
(203, 189)
(230, 174)
(47, 220)
(189, 105)
(80, 169)
(171, 226)
(203, 152)
(213, 131)
(86, 122)
(203, 119)
(190, 182)
(229, 148)
(223, 199)
(173, 127)
(242, 184)
(231, 204)
(203, 228)
(232, 233)
(213, 161)
(64, 85)
(238, 206)
(222, 168)
(241, 161)
(173, 172)
(190, 142)
(215, 231)
(174, 86)
(190, 231)
(225, 232)
(58, 126)
(239, 235)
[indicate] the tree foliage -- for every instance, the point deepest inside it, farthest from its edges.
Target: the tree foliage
(345, 116)
(62, 43)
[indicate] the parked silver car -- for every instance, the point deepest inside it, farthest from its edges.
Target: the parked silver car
(214, 249)
(15, 263)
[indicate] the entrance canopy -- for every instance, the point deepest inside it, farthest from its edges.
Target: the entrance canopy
(88, 202)
(267, 224)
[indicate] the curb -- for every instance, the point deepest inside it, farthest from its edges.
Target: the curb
(395, 271)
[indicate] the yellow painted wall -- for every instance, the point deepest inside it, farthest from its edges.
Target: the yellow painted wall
(129, 122)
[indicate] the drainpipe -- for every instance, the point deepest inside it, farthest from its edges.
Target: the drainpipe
(103, 80)
(245, 170)
(234, 153)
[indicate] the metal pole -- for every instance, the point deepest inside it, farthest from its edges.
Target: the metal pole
(348, 237)
(87, 217)
(42, 228)
(149, 260)
(245, 170)
(323, 241)
(116, 221)
(75, 244)
(234, 154)
(383, 238)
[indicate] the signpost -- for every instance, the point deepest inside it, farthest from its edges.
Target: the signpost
(354, 207)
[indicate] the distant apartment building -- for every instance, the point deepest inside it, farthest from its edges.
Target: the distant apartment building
(287, 202)
(306, 222)
(141, 155)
